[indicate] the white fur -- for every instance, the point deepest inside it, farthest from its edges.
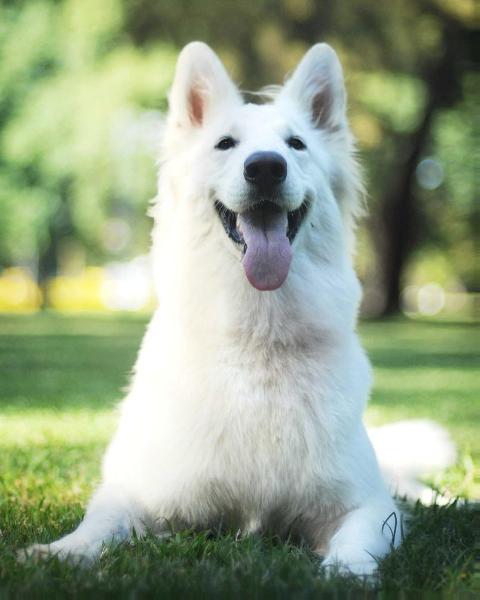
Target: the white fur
(409, 450)
(245, 409)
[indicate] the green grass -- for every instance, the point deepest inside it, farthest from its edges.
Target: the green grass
(60, 378)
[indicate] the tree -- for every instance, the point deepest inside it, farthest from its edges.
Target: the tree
(71, 110)
(423, 44)
(82, 83)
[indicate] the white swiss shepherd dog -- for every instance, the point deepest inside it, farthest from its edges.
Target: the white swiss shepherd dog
(246, 404)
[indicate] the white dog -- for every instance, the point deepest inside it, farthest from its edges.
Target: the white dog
(246, 405)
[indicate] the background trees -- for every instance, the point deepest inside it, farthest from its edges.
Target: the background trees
(83, 84)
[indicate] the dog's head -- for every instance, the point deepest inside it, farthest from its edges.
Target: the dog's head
(269, 172)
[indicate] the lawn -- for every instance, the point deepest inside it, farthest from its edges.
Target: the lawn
(60, 378)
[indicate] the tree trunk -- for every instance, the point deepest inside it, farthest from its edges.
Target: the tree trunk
(399, 212)
(60, 226)
(399, 217)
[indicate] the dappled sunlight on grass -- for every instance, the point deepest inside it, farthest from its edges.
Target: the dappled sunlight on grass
(429, 369)
(62, 377)
(60, 380)
(34, 428)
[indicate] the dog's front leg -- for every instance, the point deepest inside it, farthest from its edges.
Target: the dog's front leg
(365, 535)
(112, 516)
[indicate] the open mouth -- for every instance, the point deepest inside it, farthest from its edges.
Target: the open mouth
(230, 223)
(266, 233)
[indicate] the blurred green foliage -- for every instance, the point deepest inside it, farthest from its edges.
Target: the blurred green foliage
(83, 84)
(73, 101)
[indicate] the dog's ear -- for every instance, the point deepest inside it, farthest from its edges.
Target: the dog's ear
(317, 85)
(200, 84)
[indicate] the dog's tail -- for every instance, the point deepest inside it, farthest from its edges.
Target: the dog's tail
(410, 450)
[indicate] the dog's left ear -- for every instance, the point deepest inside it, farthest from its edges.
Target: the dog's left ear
(317, 85)
(201, 86)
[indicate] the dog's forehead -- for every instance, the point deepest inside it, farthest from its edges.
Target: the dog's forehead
(256, 118)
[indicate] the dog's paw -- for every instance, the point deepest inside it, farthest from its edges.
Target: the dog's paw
(77, 555)
(33, 552)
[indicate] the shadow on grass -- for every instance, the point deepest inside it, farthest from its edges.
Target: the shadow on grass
(65, 371)
(61, 363)
(428, 358)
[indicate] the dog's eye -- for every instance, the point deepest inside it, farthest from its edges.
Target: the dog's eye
(225, 143)
(296, 143)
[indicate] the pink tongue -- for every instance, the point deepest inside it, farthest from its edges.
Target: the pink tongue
(268, 255)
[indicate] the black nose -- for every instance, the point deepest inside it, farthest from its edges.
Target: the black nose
(265, 169)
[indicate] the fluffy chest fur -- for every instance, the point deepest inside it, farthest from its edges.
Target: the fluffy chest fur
(256, 430)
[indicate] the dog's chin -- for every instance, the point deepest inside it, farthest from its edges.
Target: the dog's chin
(230, 220)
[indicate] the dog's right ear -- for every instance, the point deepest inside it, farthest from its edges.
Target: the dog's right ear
(200, 84)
